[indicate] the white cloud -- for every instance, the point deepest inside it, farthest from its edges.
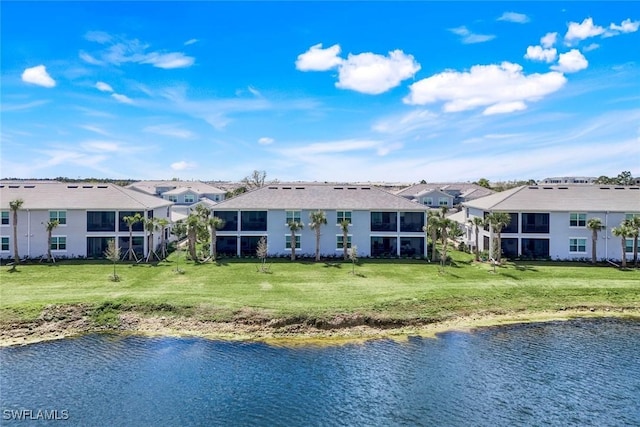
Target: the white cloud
(170, 130)
(585, 30)
(518, 18)
(266, 141)
(183, 165)
(119, 50)
(626, 26)
(470, 38)
(101, 146)
(367, 72)
(571, 62)
(374, 74)
(319, 59)
(501, 88)
(122, 98)
(168, 60)
(98, 37)
(104, 87)
(191, 41)
(537, 53)
(592, 46)
(38, 76)
(89, 59)
(548, 40)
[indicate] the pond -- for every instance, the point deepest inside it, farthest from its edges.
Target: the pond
(579, 372)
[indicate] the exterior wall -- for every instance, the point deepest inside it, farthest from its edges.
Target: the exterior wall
(435, 199)
(359, 230)
(32, 233)
(560, 233)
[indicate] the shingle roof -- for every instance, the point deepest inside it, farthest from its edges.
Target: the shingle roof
(319, 196)
(54, 195)
(581, 198)
(197, 186)
(467, 189)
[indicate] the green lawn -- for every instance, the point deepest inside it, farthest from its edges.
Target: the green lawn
(385, 289)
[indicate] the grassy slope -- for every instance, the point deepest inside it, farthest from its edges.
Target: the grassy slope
(383, 289)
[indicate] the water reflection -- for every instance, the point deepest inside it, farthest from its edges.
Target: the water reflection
(583, 372)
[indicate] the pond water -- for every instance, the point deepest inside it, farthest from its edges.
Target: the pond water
(580, 372)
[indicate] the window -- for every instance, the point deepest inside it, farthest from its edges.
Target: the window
(384, 221)
(535, 222)
(101, 221)
(189, 198)
(292, 216)
(428, 201)
(253, 221)
(628, 248)
(411, 221)
(512, 227)
(443, 201)
(172, 198)
(230, 219)
(344, 216)
(60, 216)
(138, 226)
(4, 244)
(5, 217)
(58, 243)
(287, 241)
(627, 217)
(340, 241)
(577, 220)
(577, 245)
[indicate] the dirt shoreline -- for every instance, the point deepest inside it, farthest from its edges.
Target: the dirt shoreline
(58, 322)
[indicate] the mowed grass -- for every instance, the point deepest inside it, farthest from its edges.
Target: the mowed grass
(390, 289)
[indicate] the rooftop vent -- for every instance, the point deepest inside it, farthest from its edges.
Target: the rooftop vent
(273, 188)
(338, 188)
(533, 188)
(14, 186)
(29, 186)
(299, 188)
(72, 186)
(563, 188)
(87, 186)
(605, 188)
(102, 186)
(286, 188)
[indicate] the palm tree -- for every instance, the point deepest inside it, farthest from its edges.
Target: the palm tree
(623, 231)
(476, 222)
(595, 225)
(294, 226)
(634, 225)
(193, 223)
(344, 226)
(130, 220)
(498, 220)
(316, 220)
(448, 228)
(151, 225)
(50, 226)
(15, 206)
(434, 222)
(162, 226)
(215, 223)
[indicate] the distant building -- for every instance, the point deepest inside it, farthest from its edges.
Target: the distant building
(569, 180)
(436, 195)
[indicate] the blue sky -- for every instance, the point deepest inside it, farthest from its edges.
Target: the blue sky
(320, 91)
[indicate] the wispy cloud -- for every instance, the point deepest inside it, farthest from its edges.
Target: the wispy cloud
(124, 99)
(103, 87)
(518, 18)
(183, 165)
(266, 141)
(191, 41)
(171, 130)
(120, 50)
(6, 107)
(468, 37)
(38, 76)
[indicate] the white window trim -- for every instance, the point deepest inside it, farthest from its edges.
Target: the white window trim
(578, 220)
(286, 216)
(578, 238)
(8, 244)
(65, 243)
(8, 219)
(298, 242)
(627, 240)
(349, 238)
(58, 217)
(344, 211)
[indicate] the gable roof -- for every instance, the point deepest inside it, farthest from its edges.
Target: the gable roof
(199, 187)
(580, 198)
(319, 196)
(466, 189)
(82, 195)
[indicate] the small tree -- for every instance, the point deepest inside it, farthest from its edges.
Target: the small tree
(316, 220)
(162, 226)
(130, 220)
(476, 222)
(353, 256)
(595, 225)
(15, 206)
(215, 223)
(50, 226)
(294, 226)
(112, 253)
(261, 252)
(344, 226)
(498, 221)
